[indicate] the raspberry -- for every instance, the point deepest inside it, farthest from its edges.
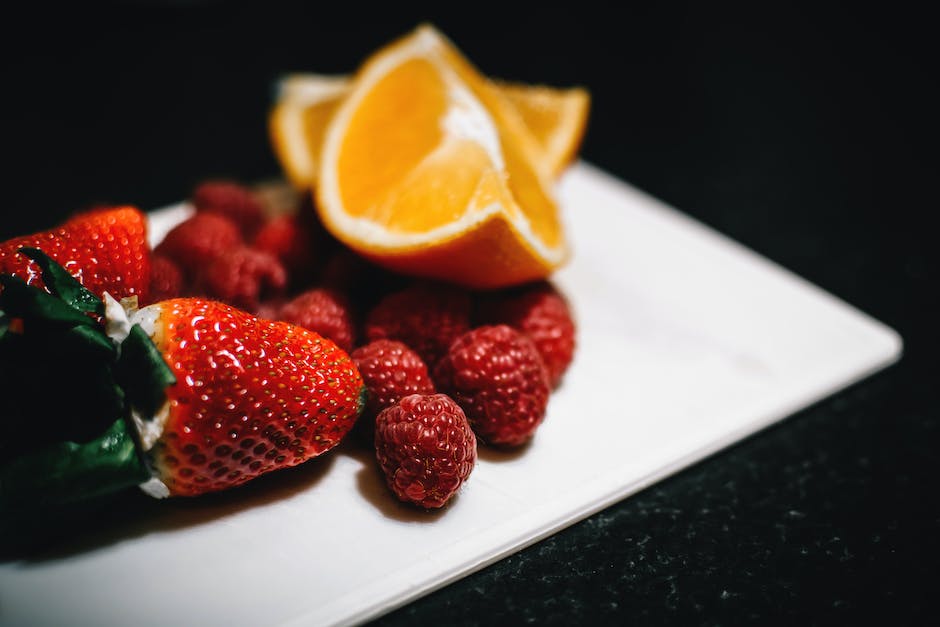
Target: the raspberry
(541, 312)
(365, 282)
(425, 448)
(270, 309)
(195, 242)
(427, 317)
(166, 279)
(324, 311)
(231, 200)
(242, 277)
(390, 371)
(286, 238)
(497, 375)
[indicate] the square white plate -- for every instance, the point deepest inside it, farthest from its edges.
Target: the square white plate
(687, 343)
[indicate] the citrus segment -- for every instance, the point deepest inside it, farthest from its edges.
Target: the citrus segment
(555, 117)
(406, 126)
(427, 169)
(298, 119)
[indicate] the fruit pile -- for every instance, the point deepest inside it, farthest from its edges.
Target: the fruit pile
(180, 389)
(182, 396)
(472, 364)
(401, 295)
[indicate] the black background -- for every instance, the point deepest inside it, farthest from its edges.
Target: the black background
(806, 133)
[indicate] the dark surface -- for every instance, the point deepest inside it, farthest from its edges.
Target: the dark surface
(805, 134)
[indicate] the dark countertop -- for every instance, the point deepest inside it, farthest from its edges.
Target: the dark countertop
(805, 134)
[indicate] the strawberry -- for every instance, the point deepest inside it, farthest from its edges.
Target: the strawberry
(391, 371)
(541, 312)
(497, 376)
(182, 397)
(251, 396)
(426, 448)
(231, 200)
(425, 316)
(105, 249)
(325, 311)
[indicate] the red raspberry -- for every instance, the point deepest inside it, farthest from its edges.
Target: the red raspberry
(324, 311)
(232, 200)
(195, 242)
(166, 279)
(541, 312)
(365, 282)
(497, 375)
(287, 239)
(390, 371)
(425, 448)
(270, 309)
(426, 316)
(242, 277)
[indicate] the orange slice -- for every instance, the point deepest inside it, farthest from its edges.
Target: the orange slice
(298, 119)
(556, 117)
(427, 169)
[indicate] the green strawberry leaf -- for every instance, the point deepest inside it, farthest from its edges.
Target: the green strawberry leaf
(142, 373)
(61, 283)
(56, 386)
(64, 472)
(66, 391)
(19, 300)
(87, 343)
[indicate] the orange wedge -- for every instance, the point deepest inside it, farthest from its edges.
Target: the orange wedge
(298, 119)
(427, 169)
(556, 117)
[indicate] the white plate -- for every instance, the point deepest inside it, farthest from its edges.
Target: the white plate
(687, 343)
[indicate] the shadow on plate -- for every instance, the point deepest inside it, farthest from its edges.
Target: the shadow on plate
(132, 514)
(502, 454)
(371, 485)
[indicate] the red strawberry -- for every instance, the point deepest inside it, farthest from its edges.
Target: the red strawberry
(426, 316)
(243, 277)
(166, 279)
(426, 448)
(497, 375)
(540, 312)
(182, 397)
(231, 200)
(251, 395)
(105, 249)
(324, 311)
(390, 371)
(195, 242)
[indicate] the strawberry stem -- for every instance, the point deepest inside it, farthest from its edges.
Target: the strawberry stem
(68, 391)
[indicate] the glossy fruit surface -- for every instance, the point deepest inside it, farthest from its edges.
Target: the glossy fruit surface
(251, 395)
(105, 249)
